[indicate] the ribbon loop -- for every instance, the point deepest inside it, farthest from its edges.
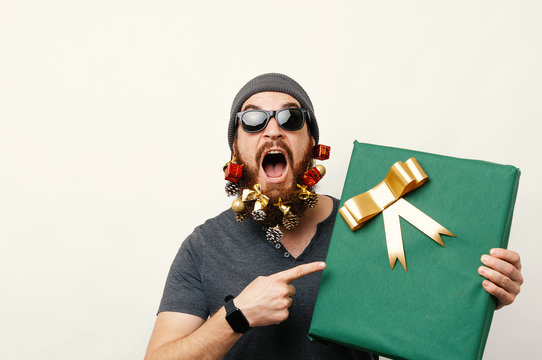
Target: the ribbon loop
(255, 194)
(386, 197)
(401, 179)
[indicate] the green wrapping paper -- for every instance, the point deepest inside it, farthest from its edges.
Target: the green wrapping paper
(438, 308)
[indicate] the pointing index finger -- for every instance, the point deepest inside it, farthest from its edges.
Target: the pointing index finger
(301, 270)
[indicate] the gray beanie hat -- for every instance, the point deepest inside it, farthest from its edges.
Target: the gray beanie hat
(271, 82)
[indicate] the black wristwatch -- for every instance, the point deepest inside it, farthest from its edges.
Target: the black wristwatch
(235, 317)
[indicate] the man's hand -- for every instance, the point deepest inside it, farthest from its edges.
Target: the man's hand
(266, 300)
(503, 274)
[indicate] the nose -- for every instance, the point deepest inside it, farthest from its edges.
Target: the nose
(273, 131)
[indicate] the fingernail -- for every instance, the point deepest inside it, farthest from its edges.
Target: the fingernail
(485, 283)
(322, 265)
(493, 251)
(485, 258)
(481, 270)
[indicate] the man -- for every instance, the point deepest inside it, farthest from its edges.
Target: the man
(274, 283)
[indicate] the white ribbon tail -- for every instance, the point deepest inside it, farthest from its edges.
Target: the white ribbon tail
(392, 227)
(394, 238)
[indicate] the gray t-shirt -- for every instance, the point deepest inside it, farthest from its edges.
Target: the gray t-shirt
(222, 256)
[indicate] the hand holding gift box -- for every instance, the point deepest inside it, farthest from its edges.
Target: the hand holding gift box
(503, 270)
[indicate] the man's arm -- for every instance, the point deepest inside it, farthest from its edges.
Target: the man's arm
(264, 301)
(184, 336)
(503, 274)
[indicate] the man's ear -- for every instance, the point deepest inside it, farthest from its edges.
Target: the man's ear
(313, 141)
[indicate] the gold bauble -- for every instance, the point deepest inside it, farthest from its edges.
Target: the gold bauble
(238, 205)
(321, 169)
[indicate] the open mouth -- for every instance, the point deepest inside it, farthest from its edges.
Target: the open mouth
(274, 164)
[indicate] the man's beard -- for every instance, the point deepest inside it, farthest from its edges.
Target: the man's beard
(287, 192)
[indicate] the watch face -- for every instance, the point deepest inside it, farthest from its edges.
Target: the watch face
(237, 321)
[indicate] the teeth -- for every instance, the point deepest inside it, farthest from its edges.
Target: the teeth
(274, 152)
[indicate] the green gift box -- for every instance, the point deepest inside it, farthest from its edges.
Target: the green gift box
(437, 308)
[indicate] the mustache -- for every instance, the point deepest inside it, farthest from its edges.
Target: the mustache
(277, 144)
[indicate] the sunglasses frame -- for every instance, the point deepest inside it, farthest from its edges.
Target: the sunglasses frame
(270, 114)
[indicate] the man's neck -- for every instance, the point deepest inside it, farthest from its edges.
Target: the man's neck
(296, 240)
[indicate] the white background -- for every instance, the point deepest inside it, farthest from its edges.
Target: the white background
(113, 119)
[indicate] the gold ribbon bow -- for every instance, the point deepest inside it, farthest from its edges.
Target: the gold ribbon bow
(304, 193)
(255, 194)
(386, 197)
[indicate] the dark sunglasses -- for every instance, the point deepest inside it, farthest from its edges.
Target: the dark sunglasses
(289, 119)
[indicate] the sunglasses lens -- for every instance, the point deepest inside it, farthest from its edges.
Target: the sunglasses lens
(253, 121)
(290, 119)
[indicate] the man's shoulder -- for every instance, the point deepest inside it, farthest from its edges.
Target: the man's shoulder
(225, 218)
(335, 203)
(215, 225)
(335, 200)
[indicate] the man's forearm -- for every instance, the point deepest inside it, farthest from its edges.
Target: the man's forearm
(265, 301)
(212, 340)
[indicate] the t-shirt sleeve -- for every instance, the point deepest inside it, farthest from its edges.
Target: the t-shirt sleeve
(183, 291)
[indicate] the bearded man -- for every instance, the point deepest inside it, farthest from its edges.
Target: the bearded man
(234, 291)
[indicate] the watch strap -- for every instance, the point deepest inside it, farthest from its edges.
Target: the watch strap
(230, 307)
(235, 317)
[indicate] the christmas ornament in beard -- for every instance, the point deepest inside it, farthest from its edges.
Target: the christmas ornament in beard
(233, 172)
(273, 164)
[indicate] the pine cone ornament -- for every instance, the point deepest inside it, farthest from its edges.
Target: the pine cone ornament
(258, 215)
(241, 216)
(233, 189)
(290, 221)
(273, 234)
(312, 200)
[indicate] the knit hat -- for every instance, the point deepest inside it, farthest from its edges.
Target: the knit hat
(272, 82)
